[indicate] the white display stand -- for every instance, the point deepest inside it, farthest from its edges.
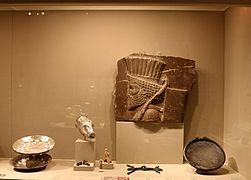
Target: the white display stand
(84, 151)
(149, 143)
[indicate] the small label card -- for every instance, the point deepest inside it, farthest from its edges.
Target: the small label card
(116, 178)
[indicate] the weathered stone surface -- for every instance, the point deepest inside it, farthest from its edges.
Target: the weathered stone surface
(153, 88)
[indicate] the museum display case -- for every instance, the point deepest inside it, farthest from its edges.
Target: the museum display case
(125, 88)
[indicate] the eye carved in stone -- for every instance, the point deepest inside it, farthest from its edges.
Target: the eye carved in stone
(134, 89)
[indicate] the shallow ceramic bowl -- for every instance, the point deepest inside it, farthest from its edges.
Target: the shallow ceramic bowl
(36, 144)
(204, 154)
(30, 163)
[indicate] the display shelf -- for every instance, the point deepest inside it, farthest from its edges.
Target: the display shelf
(131, 1)
(63, 169)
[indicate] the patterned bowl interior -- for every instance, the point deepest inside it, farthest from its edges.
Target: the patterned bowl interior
(35, 144)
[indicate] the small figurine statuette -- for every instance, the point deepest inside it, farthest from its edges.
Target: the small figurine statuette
(107, 162)
(107, 156)
(85, 127)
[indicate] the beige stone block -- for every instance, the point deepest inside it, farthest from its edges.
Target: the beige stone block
(149, 143)
(85, 150)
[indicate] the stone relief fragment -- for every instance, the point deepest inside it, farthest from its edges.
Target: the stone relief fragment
(152, 88)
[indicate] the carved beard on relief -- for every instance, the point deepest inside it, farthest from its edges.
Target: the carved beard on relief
(136, 96)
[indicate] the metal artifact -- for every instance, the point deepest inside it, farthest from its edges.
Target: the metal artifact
(132, 169)
(152, 88)
(30, 163)
(35, 144)
(32, 153)
(83, 163)
(204, 154)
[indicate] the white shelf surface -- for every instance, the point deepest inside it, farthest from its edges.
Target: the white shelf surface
(63, 170)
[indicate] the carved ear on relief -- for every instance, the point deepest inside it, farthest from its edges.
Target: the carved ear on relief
(164, 79)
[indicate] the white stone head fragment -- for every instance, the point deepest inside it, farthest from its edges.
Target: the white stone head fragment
(85, 127)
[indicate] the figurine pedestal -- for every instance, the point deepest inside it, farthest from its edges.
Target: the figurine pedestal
(149, 143)
(84, 151)
(83, 167)
(105, 165)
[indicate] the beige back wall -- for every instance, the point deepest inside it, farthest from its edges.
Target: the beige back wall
(237, 119)
(65, 62)
(5, 82)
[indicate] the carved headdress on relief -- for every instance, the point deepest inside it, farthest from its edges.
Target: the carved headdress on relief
(144, 73)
